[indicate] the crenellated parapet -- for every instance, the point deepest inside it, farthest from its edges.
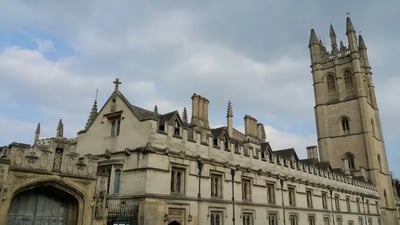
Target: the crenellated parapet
(53, 156)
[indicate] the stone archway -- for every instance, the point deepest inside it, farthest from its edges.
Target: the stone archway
(174, 223)
(43, 205)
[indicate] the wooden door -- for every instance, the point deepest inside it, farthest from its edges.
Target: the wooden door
(40, 207)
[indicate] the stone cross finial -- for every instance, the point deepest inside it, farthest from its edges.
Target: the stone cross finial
(116, 83)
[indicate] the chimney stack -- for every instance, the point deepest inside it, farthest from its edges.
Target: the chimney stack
(312, 152)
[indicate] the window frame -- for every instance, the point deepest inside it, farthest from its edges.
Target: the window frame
(178, 180)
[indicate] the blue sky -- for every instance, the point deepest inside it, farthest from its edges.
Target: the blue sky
(54, 55)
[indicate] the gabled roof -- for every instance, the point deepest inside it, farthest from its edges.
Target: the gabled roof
(265, 146)
(168, 116)
(286, 153)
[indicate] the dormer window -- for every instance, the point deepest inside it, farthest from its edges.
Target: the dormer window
(177, 128)
(115, 126)
(226, 142)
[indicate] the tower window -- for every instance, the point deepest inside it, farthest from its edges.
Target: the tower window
(345, 126)
(348, 160)
(330, 80)
(348, 79)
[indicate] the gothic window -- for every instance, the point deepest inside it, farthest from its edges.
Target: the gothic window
(311, 219)
(177, 128)
(115, 126)
(247, 218)
(272, 219)
(216, 141)
(117, 180)
(226, 142)
(177, 180)
(345, 122)
(348, 204)
(216, 185)
(348, 80)
(246, 189)
(339, 221)
(270, 193)
(292, 196)
(337, 203)
(358, 205)
(324, 200)
(367, 205)
(237, 148)
(326, 220)
(216, 218)
(348, 160)
(293, 219)
(309, 198)
(330, 80)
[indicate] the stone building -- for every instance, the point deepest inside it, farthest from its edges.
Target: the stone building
(130, 165)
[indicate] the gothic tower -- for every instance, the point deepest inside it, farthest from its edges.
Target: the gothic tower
(348, 125)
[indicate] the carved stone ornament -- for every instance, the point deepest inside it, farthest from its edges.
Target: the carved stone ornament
(70, 165)
(90, 167)
(19, 157)
(43, 160)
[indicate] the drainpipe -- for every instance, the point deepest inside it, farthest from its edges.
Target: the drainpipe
(233, 195)
(283, 203)
(333, 212)
(200, 166)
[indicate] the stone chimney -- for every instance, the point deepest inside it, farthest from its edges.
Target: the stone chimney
(200, 111)
(312, 152)
(250, 126)
(261, 132)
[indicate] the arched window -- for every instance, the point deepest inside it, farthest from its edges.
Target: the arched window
(348, 79)
(330, 80)
(348, 161)
(345, 122)
(117, 180)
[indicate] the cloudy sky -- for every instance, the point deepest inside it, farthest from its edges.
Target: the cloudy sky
(54, 55)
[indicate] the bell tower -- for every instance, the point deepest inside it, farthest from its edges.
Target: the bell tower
(347, 118)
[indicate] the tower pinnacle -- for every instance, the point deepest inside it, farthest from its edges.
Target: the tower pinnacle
(37, 133)
(93, 113)
(333, 39)
(60, 129)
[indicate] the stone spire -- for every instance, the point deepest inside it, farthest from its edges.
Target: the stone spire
(351, 35)
(363, 51)
(155, 109)
(184, 115)
(60, 129)
(229, 118)
(93, 113)
(361, 42)
(332, 35)
(37, 134)
(342, 48)
(315, 48)
(313, 38)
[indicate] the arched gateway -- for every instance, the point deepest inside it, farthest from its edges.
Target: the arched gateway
(43, 205)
